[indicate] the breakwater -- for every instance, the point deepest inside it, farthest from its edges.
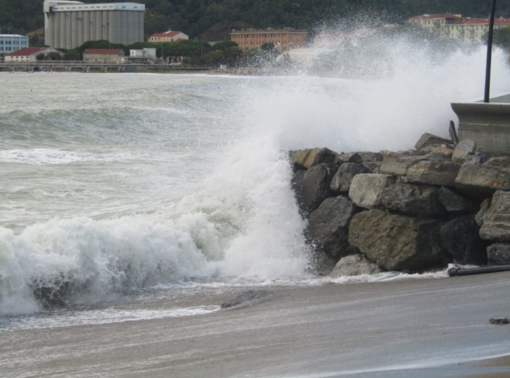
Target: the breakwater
(442, 202)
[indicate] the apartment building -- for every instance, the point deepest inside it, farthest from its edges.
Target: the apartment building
(12, 42)
(283, 39)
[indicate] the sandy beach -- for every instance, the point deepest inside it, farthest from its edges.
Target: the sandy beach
(418, 328)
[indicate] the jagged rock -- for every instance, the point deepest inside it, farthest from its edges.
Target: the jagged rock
(366, 189)
(398, 166)
(433, 173)
(247, 296)
(460, 238)
(312, 187)
(483, 180)
(496, 222)
(354, 265)
(328, 226)
(455, 203)
(342, 179)
(498, 254)
(398, 242)
(304, 159)
(443, 152)
(349, 157)
(465, 148)
(411, 199)
(430, 140)
(395, 154)
(484, 207)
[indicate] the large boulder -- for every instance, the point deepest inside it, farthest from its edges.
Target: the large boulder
(312, 187)
(343, 177)
(496, 222)
(460, 237)
(482, 180)
(455, 203)
(433, 173)
(463, 150)
(354, 265)
(411, 199)
(307, 158)
(328, 226)
(366, 189)
(398, 242)
(498, 254)
(427, 140)
(398, 165)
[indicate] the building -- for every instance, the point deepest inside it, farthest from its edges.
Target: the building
(12, 42)
(169, 36)
(111, 56)
(68, 24)
(146, 52)
(27, 54)
(455, 26)
(283, 39)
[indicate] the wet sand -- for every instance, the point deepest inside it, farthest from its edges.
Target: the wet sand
(415, 328)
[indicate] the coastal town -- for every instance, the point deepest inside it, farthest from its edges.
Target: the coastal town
(113, 35)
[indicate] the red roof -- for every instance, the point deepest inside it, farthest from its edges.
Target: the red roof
(26, 51)
(104, 51)
(169, 33)
(482, 21)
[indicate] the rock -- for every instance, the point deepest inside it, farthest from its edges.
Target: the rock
(433, 173)
(366, 189)
(398, 166)
(312, 187)
(411, 199)
(395, 154)
(465, 148)
(430, 140)
(498, 254)
(328, 226)
(496, 222)
(499, 321)
(482, 180)
(443, 152)
(460, 238)
(304, 159)
(398, 242)
(247, 297)
(349, 157)
(455, 203)
(354, 265)
(342, 179)
(484, 207)
(453, 133)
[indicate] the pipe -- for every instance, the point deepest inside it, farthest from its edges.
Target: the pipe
(489, 54)
(458, 271)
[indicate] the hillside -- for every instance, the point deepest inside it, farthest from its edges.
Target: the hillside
(213, 19)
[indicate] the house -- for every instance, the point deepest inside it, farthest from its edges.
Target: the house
(111, 56)
(169, 36)
(283, 39)
(12, 42)
(27, 54)
(146, 52)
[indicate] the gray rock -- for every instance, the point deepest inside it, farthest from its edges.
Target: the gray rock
(496, 222)
(354, 265)
(312, 187)
(328, 226)
(465, 148)
(498, 254)
(342, 179)
(398, 242)
(484, 207)
(412, 199)
(349, 157)
(246, 297)
(460, 238)
(398, 166)
(304, 159)
(430, 140)
(433, 173)
(455, 203)
(366, 189)
(359, 157)
(483, 180)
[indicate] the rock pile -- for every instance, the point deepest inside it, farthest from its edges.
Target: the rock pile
(405, 211)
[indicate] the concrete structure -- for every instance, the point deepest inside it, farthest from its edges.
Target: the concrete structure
(283, 39)
(113, 56)
(487, 124)
(27, 54)
(68, 24)
(169, 36)
(146, 52)
(12, 42)
(455, 26)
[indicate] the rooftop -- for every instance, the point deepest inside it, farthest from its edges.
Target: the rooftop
(103, 51)
(26, 51)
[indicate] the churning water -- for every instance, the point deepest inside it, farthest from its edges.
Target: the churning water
(118, 182)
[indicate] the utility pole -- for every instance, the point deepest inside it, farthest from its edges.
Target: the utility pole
(489, 54)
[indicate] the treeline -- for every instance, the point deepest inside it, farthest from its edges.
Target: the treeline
(214, 19)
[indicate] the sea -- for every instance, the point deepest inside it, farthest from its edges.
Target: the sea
(119, 187)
